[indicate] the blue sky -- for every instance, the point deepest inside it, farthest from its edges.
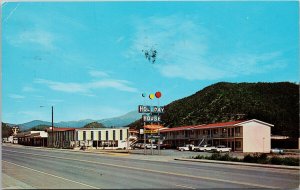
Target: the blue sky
(86, 59)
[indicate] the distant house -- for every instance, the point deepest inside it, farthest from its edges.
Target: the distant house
(108, 138)
(32, 138)
(245, 136)
(7, 139)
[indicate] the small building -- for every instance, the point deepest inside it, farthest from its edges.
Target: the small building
(63, 137)
(106, 138)
(244, 136)
(32, 138)
(7, 139)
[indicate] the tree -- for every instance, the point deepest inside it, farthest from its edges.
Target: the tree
(6, 130)
(94, 125)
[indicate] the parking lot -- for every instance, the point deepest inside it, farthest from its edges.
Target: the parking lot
(173, 153)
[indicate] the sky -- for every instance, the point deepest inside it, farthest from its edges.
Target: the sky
(86, 59)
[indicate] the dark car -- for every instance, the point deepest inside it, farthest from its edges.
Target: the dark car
(165, 146)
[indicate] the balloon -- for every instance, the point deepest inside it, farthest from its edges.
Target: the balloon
(151, 96)
(158, 94)
(144, 94)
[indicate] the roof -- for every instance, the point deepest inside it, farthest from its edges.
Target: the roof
(180, 128)
(204, 126)
(102, 128)
(27, 133)
(60, 129)
(153, 126)
(258, 121)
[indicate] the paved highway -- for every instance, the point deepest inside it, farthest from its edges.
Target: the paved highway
(25, 167)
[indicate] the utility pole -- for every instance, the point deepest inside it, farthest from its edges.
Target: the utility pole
(52, 129)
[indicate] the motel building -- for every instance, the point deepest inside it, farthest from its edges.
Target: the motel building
(32, 138)
(104, 138)
(243, 136)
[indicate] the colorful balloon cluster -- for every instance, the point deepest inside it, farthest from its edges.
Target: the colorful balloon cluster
(151, 96)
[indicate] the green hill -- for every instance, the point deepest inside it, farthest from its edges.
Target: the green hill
(275, 103)
(39, 128)
(94, 125)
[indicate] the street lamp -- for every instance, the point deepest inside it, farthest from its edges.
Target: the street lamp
(52, 126)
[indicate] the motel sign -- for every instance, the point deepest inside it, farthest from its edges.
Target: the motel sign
(150, 109)
(151, 118)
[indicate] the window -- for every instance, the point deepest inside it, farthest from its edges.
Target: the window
(99, 135)
(92, 135)
(215, 131)
(106, 135)
(186, 133)
(121, 134)
(77, 135)
(238, 144)
(84, 135)
(114, 135)
(237, 129)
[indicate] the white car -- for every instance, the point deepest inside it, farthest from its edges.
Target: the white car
(154, 146)
(277, 151)
(221, 148)
(186, 147)
(204, 148)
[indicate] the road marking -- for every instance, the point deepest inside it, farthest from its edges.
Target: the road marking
(118, 154)
(52, 175)
(156, 171)
(188, 187)
(74, 151)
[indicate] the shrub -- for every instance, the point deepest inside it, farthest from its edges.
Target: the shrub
(276, 160)
(199, 157)
(235, 159)
(255, 158)
(215, 156)
(262, 158)
(225, 157)
(291, 161)
(249, 158)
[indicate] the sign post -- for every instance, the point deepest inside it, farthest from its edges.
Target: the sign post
(151, 114)
(144, 140)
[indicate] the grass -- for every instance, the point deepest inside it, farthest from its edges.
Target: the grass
(252, 158)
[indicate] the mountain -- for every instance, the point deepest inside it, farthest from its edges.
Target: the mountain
(75, 124)
(122, 120)
(31, 124)
(275, 103)
(115, 121)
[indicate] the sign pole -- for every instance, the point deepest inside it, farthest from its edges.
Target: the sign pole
(144, 140)
(158, 142)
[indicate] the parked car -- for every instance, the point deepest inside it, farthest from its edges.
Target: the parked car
(148, 146)
(221, 148)
(186, 147)
(165, 146)
(136, 145)
(204, 148)
(277, 151)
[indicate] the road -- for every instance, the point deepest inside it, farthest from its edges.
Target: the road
(25, 167)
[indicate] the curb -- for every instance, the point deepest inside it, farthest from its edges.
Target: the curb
(72, 150)
(239, 163)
